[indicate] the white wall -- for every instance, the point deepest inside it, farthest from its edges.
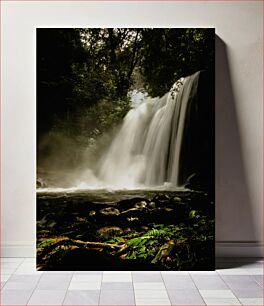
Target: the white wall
(238, 106)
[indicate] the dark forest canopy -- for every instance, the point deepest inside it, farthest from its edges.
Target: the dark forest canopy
(77, 68)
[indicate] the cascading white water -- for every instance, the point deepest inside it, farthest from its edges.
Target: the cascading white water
(146, 151)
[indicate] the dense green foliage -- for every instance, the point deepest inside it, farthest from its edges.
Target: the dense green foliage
(77, 68)
(58, 50)
(169, 54)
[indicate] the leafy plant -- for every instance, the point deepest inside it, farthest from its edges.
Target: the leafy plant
(44, 243)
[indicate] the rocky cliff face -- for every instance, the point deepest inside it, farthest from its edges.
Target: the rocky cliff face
(197, 164)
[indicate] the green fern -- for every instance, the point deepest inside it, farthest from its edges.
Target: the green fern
(136, 242)
(156, 233)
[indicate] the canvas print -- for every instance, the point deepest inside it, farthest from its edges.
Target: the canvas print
(125, 149)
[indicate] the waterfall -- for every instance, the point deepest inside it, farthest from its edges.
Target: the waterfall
(146, 151)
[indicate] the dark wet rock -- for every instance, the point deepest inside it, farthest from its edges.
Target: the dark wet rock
(161, 198)
(132, 219)
(141, 205)
(80, 219)
(128, 230)
(49, 224)
(152, 205)
(109, 231)
(110, 211)
(176, 199)
(92, 213)
(129, 203)
(131, 212)
(167, 209)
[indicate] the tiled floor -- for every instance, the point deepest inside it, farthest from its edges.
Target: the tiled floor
(235, 282)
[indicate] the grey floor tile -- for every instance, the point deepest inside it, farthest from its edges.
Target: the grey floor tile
(5, 277)
(88, 272)
(232, 271)
(24, 278)
(248, 293)
(85, 286)
(251, 301)
(240, 281)
(149, 285)
(117, 286)
(179, 273)
(258, 279)
(146, 276)
(47, 297)
(217, 294)
(212, 273)
(222, 301)
(254, 271)
(152, 302)
(151, 294)
(87, 278)
(87, 297)
(185, 297)
(119, 276)
(10, 265)
(8, 270)
(26, 268)
(57, 272)
(209, 282)
(117, 297)
(54, 282)
(178, 282)
(15, 297)
(20, 285)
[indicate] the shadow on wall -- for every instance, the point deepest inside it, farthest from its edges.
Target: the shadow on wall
(234, 215)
